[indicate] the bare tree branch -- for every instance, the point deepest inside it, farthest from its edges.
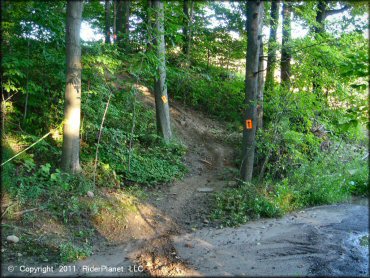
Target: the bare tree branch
(332, 12)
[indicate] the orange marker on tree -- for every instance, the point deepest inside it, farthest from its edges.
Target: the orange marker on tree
(164, 98)
(248, 124)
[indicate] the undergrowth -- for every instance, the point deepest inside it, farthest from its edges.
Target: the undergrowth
(131, 155)
(326, 179)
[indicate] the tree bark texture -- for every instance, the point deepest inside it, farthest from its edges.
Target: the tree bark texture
(149, 25)
(272, 44)
(114, 20)
(160, 88)
(119, 22)
(261, 85)
(254, 27)
(186, 29)
(185, 26)
(123, 26)
(319, 29)
(320, 17)
(285, 51)
(107, 21)
(72, 107)
(126, 16)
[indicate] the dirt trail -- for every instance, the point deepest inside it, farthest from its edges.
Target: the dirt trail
(186, 201)
(178, 239)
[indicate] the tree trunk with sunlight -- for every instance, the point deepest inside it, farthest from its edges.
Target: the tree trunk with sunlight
(160, 88)
(72, 109)
(254, 28)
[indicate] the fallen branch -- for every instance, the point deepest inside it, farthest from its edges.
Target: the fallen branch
(25, 211)
(205, 161)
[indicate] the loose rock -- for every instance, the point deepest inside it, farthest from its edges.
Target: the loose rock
(188, 245)
(205, 189)
(12, 238)
(90, 194)
(232, 184)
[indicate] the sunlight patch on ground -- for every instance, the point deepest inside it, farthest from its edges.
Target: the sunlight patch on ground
(143, 89)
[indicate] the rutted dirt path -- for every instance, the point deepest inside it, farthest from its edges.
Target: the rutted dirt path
(176, 237)
(322, 241)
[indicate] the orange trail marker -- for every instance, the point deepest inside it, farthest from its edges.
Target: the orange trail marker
(248, 124)
(164, 98)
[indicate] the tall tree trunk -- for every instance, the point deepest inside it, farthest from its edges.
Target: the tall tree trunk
(123, 27)
(188, 9)
(107, 21)
(27, 79)
(72, 107)
(272, 45)
(285, 51)
(119, 22)
(114, 21)
(149, 25)
(261, 85)
(319, 30)
(160, 88)
(254, 27)
(185, 26)
(208, 57)
(126, 16)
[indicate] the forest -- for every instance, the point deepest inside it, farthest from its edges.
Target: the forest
(129, 125)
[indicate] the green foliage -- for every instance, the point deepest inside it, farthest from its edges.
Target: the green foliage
(47, 188)
(70, 252)
(297, 123)
(158, 165)
(215, 91)
(129, 135)
(324, 180)
(238, 205)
